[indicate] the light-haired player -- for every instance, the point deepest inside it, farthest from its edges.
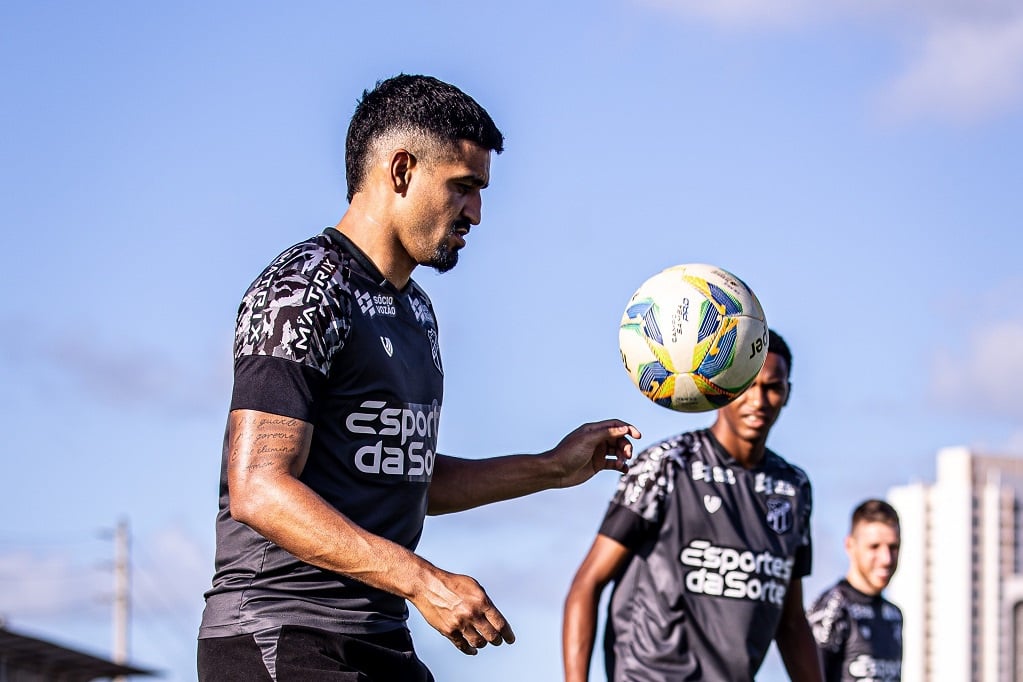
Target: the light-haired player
(858, 631)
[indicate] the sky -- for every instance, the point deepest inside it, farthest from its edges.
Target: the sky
(858, 164)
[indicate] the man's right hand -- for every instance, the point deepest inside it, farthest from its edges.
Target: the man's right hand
(458, 607)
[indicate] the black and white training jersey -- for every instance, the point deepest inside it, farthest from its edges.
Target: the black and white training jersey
(714, 546)
(323, 337)
(859, 635)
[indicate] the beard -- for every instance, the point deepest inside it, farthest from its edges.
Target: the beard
(445, 257)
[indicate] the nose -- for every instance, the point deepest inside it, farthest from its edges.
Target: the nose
(754, 395)
(473, 209)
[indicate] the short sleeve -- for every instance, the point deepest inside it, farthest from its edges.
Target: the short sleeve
(291, 323)
(804, 554)
(275, 385)
(296, 309)
(829, 620)
(637, 507)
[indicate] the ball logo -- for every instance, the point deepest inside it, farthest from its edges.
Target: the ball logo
(779, 515)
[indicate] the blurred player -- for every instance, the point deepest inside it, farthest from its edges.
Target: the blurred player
(707, 539)
(858, 631)
(330, 459)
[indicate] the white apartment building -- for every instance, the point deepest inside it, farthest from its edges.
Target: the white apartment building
(960, 576)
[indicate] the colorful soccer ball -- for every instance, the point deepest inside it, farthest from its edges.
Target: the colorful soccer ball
(693, 337)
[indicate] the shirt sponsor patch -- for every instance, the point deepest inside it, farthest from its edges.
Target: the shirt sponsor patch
(374, 304)
(400, 441)
(735, 573)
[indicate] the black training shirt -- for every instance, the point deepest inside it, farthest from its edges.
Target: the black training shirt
(321, 336)
(714, 547)
(859, 635)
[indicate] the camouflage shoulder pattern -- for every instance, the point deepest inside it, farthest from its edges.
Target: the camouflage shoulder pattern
(651, 477)
(299, 308)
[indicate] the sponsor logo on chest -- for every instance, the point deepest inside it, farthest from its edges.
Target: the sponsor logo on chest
(375, 304)
(404, 439)
(422, 313)
(735, 573)
(865, 667)
(762, 483)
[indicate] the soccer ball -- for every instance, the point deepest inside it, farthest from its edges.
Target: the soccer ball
(693, 337)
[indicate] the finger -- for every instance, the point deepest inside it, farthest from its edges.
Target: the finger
(496, 628)
(620, 447)
(462, 644)
(618, 459)
(617, 463)
(474, 637)
(629, 430)
(487, 633)
(616, 429)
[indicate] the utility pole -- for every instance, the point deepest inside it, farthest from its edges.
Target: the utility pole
(122, 593)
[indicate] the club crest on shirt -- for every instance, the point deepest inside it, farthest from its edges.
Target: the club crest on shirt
(779, 514)
(435, 350)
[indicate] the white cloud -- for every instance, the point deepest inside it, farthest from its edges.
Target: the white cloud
(172, 571)
(34, 584)
(962, 72)
(744, 13)
(1014, 444)
(169, 572)
(116, 372)
(963, 58)
(985, 375)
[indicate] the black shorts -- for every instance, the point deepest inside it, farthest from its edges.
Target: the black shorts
(310, 655)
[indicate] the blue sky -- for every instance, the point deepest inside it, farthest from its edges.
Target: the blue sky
(857, 163)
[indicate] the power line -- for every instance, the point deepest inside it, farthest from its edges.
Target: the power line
(26, 541)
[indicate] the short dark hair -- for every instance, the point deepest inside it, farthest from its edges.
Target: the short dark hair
(776, 344)
(874, 511)
(416, 104)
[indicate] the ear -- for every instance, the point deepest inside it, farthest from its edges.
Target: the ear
(849, 541)
(402, 164)
(788, 393)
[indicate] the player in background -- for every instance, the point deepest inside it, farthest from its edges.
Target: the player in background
(858, 631)
(707, 540)
(330, 460)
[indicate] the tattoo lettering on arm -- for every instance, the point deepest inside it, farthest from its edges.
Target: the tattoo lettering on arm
(261, 441)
